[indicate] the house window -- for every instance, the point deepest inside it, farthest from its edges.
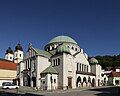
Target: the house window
(116, 82)
(20, 55)
(56, 62)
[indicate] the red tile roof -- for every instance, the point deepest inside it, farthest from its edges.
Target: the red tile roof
(115, 74)
(8, 65)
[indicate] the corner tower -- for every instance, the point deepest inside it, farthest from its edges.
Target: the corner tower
(96, 69)
(18, 54)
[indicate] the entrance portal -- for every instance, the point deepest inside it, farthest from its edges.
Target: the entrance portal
(69, 82)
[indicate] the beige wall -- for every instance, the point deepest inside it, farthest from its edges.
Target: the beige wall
(7, 74)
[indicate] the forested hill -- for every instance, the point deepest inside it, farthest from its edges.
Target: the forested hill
(109, 61)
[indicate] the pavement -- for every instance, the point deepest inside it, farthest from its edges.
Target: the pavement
(101, 91)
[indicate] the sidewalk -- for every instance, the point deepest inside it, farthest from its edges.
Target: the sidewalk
(30, 90)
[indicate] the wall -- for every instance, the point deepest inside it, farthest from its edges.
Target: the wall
(7, 75)
(59, 69)
(80, 58)
(69, 70)
(42, 64)
(9, 57)
(18, 56)
(96, 69)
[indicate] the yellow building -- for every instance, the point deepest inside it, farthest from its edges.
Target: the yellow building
(8, 71)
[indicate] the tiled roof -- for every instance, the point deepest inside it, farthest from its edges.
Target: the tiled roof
(8, 65)
(115, 74)
(50, 70)
(42, 53)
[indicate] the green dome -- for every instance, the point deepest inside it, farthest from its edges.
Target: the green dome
(63, 39)
(62, 48)
(93, 61)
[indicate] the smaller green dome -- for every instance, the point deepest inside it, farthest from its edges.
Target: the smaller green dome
(93, 61)
(62, 48)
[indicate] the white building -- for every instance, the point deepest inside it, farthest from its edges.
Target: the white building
(63, 64)
(8, 66)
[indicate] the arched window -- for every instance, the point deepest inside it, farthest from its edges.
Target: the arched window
(52, 47)
(87, 68)
(73, 48)
(58, 61)
(78, 80)
(89, 80)
(80, 66)
(93, 82)
(84, 79)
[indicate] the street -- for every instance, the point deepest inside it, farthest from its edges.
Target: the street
(102, 91)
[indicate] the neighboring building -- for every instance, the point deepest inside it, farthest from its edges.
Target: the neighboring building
(105, 77)
(8, 71)
(62, 65)
(8, 66)
(114, 77)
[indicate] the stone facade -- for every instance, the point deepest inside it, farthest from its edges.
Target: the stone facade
(70, 67)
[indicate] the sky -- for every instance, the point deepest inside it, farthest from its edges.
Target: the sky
(93, 24)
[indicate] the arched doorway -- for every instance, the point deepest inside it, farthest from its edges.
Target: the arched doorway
(84, 82)
(89, 82)
(89, 79)
(26, 80)
(78, 81)
(34, 81)
(93, 82)
(84, 79)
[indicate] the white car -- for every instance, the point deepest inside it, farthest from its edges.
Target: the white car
(8, 85)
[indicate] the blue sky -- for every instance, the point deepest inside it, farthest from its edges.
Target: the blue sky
(94, 24)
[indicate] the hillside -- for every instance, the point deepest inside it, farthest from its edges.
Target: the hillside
(109, 61)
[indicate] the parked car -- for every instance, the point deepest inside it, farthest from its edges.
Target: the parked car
(9, 85)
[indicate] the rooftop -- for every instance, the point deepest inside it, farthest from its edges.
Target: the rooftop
(63, 39)
(8, 65)
(49, 70)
